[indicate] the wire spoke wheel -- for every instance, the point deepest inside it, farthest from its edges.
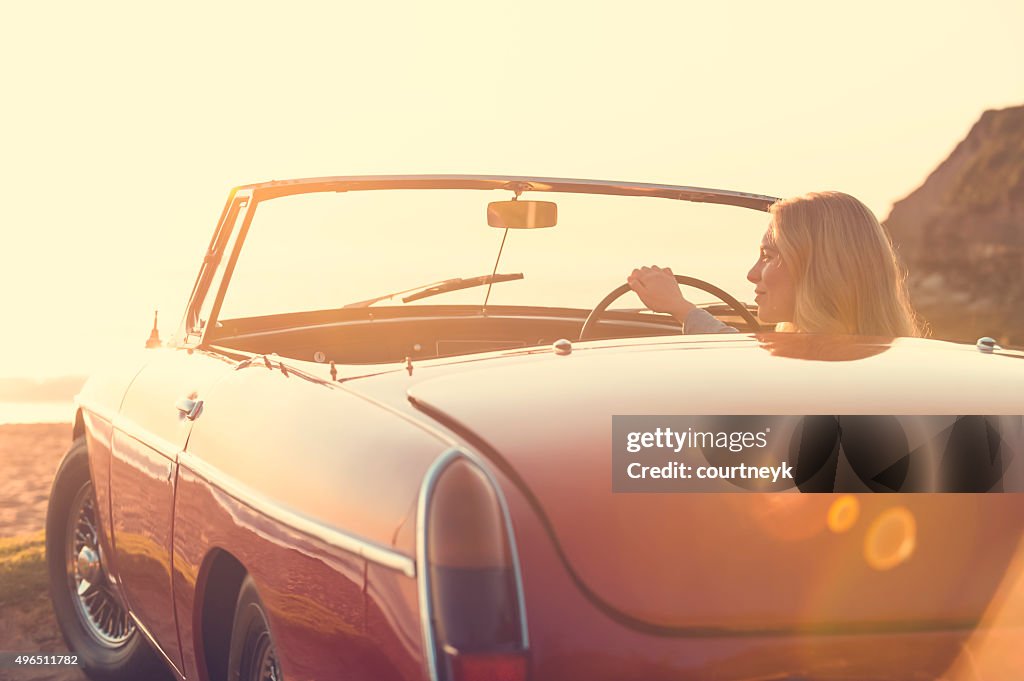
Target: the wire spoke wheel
(90, 613)
(97, 606)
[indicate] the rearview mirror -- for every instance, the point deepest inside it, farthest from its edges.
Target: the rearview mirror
(522, 214)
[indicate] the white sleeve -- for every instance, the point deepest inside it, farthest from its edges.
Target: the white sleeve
(702, 321)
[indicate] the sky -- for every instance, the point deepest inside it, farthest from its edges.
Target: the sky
(124, 126)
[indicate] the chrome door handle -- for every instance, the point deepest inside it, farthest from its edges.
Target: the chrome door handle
(190, 408)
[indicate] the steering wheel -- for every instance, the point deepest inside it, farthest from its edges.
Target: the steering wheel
(593, 318)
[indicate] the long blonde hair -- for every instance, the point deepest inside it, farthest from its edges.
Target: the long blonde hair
(848, 280)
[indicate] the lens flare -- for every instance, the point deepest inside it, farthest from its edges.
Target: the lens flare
(891, 539)
(843, 513)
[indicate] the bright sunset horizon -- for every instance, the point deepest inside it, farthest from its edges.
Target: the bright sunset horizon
(126, 129)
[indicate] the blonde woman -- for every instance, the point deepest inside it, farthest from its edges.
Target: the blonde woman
(825, 265)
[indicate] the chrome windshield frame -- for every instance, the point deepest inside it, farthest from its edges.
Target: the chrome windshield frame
(278, 188)
(266, 191)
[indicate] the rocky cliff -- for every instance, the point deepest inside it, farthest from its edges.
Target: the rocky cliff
(961, 235)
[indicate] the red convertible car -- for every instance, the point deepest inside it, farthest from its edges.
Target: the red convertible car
(328, 474)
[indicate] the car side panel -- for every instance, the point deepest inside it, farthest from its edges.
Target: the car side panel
(393, 622)
(98, 432)
(99, 402)
(312, 591)
(308, 486)
(149, 432)
(316, 449)
(573, 637)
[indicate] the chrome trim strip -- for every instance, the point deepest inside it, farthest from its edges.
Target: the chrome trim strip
(513, 550)
(279, 188)
(426, 607)
(153, 644)
(133, 430)
(90, 406)
(260, 503)
(423, 507)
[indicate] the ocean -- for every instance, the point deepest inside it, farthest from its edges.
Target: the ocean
(36, 412)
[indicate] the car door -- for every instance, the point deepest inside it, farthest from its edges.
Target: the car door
(151, 430)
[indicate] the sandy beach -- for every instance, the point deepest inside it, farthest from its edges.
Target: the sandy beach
(29, 456)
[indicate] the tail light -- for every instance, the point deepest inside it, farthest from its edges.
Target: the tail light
(474, 622)
(487, 666)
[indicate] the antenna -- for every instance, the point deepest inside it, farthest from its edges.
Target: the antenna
(154, 336)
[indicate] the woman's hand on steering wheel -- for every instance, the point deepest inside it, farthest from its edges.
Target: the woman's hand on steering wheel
(659, 291)
(664, 298)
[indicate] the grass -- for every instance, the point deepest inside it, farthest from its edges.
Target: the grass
(22, 569)
(25, 610)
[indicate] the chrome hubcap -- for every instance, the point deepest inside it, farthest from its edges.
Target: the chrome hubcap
(99, 609)
(88, 564)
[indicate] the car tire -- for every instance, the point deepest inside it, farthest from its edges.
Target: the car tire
(253, 656)
(89, 612)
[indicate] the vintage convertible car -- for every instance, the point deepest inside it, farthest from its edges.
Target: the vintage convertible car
(317, 478)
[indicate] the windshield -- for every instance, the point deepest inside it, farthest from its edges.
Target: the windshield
(323, 251)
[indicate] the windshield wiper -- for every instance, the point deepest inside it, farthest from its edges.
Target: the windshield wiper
(438, 287)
